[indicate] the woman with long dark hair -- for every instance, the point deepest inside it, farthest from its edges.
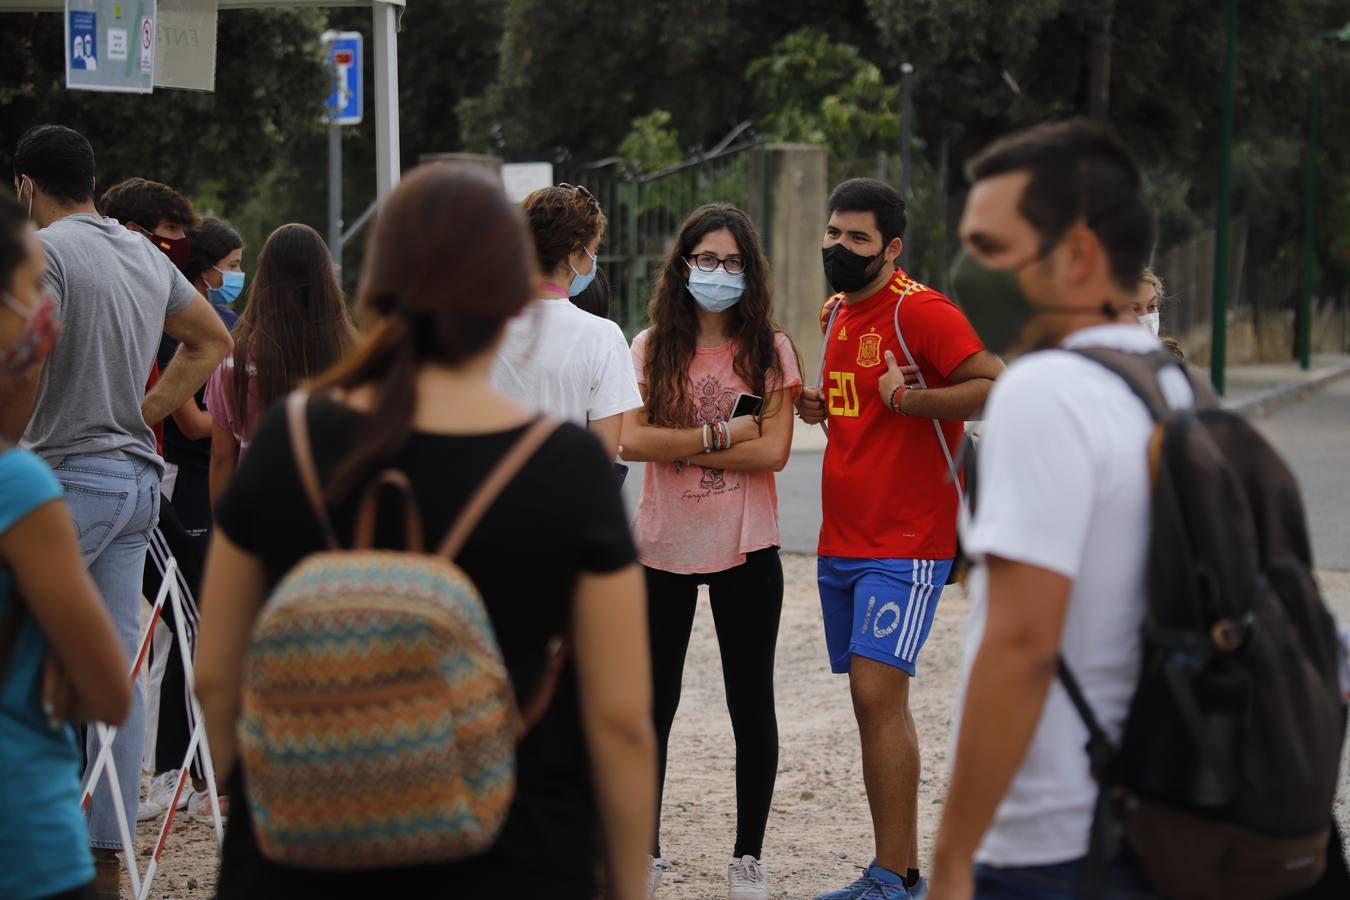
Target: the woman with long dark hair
(709, 508)
(294, 327)
(448, 264)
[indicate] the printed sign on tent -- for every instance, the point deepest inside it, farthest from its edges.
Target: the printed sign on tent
(185, 44)
(110, 45)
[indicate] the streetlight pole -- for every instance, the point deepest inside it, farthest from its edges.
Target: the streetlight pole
(1219, 326)
(1305, 310)
(906, 138)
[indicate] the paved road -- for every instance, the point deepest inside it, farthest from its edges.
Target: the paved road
(1313, 435)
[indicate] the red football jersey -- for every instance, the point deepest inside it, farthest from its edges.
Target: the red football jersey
(885, 487)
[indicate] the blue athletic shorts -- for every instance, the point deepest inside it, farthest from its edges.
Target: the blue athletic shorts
(878, 608)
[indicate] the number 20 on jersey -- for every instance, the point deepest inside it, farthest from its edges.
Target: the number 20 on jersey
(842, 399)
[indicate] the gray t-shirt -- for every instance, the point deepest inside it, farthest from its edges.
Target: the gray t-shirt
(114, 289)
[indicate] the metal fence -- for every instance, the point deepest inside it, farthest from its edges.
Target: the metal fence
(645, 213)
(1187, 271)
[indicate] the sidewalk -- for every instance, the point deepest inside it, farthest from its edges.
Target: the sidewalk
(1253, 390)
(1258, 389)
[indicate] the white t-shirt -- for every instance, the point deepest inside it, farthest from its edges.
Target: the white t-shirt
(1063, 485)
(561, 360)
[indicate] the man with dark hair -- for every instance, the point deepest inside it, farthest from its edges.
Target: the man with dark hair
(1056, 232)
(156, 211)
(86, 411)
(888, 537)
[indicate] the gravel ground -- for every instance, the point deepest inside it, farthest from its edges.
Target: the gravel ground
(819, 831)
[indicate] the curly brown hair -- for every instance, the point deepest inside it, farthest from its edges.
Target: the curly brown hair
(561, 219)
(147, 203)
(674, 320)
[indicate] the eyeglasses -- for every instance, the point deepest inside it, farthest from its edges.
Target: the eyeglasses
(708, 262)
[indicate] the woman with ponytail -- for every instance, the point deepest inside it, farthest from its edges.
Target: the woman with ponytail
(448, 264)
(709, 510)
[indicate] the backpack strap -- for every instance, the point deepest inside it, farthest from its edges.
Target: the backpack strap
(1139, 371)
(297, 423)
(534, 708)
(370, 503)
(1106, 831)
(495, 482)
(952, 472)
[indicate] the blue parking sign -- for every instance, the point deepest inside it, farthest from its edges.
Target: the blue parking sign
(344, 102)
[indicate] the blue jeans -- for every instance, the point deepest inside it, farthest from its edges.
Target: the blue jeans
(115, 504)
(1058, 881)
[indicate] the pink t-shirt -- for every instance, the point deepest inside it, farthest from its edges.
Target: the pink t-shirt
(700, 519)
(219, 390)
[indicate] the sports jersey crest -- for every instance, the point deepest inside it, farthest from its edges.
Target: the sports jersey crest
(869, 350)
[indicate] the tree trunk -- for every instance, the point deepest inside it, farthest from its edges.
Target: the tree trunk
(1099, 85)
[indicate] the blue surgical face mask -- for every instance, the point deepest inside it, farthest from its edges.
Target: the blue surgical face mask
(581, 282)
(231, 286)
(717, 290)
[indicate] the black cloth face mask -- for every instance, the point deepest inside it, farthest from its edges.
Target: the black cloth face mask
(845, 271)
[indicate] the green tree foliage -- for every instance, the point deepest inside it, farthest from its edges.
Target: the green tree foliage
(571, 76)
(810, 88)
(537, 79)
(652, 144)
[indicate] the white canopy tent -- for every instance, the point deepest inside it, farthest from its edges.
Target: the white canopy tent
(385, 15)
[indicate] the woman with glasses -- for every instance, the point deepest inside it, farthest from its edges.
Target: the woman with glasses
(556, 358)
(709, 509)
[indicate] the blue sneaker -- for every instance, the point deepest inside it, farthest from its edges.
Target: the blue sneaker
(876, 883)
(919, 891)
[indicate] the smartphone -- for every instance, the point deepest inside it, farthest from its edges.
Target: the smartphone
(747, 405)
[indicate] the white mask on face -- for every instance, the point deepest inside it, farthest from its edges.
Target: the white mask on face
(1152, 322)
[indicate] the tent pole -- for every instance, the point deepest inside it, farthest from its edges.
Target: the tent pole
(386, 96)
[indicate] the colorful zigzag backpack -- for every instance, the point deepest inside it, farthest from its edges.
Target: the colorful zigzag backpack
(379, 724)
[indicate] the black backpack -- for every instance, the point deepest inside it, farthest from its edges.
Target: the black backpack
(1223, 782)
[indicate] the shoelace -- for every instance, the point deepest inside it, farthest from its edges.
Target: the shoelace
(748, 870)
(878, 891)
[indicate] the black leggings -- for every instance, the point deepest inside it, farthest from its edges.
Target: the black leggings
(176, 720)
(746, 604)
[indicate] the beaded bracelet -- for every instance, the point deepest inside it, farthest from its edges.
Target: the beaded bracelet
(726, 431)
(707, 438)
(891, 403)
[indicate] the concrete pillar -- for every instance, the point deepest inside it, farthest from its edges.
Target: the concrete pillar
(797, 191)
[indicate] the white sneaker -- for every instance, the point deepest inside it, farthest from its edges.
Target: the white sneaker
(161, 790)
(145, 810)
(745, 877)
(654, 869)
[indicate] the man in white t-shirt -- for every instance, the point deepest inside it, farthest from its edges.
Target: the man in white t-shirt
(1056, 232)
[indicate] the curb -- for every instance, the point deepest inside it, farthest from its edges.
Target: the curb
(1267, 401)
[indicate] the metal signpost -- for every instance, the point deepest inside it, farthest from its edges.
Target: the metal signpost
(343, 107)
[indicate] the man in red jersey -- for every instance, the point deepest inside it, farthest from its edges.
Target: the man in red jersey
(889, 532)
